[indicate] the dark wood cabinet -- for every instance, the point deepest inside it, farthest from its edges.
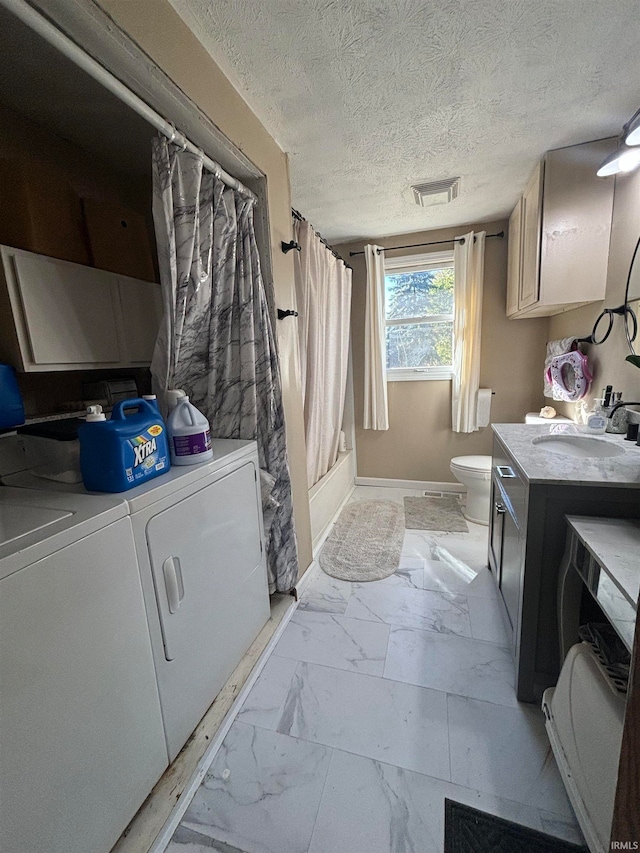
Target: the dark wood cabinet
(527, 533)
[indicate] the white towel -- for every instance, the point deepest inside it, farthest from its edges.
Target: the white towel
(555, 348)
(483, 413)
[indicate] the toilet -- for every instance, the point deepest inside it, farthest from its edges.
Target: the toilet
(474, 472)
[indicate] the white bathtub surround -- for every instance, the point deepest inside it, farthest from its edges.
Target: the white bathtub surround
(366, 759)
(328, 497)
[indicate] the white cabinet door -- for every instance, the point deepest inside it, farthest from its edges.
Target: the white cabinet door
(56, 315)
(70, 312)
(141, 304)
(211, 590)
(576, 225)
(514, 257)
(531, 217)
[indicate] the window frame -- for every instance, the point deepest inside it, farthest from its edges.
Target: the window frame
(412, 263)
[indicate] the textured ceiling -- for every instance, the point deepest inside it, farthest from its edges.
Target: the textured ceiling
(368, 97)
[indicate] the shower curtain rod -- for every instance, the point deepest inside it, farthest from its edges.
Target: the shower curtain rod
(297, 215)
(433, 243)
(70, 49)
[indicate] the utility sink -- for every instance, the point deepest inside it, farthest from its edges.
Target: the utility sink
(581, 446)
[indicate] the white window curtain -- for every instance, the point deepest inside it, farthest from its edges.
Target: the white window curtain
(468, 263)
(323, 297)
(376, 408)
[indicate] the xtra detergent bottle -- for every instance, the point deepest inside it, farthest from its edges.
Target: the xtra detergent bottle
(189, 432)
(125, 451)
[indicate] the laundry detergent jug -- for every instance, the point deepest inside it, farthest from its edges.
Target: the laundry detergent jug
(189, 432)
(124, 451)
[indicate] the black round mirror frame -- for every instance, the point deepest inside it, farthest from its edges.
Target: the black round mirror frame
(624, 310)
(632, 294)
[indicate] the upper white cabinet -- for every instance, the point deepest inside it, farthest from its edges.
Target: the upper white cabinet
(559, 234)
(58, 315)
(141, 305)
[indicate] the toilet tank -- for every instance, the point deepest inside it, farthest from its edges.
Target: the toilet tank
(536, 418)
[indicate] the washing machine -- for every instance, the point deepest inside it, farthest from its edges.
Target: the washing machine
(199, 544)
(81, 734)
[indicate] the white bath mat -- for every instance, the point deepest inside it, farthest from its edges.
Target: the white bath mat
(365, 543)
(442, 514)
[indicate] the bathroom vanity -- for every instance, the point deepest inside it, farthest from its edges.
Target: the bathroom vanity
(540, 474)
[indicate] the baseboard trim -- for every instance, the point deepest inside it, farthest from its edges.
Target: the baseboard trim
(166, 833)
(418, 485)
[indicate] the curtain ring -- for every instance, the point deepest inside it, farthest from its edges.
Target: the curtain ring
(173, 133)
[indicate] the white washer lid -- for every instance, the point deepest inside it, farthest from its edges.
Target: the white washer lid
(34, 523)
(473, 463)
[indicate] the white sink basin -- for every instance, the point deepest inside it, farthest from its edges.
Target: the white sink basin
(581, 446)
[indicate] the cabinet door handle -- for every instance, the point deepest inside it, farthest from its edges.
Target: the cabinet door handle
(500, 509)
(173, 583)
(505, 471)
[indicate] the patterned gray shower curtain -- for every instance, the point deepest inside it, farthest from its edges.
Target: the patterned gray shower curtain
(216, 340)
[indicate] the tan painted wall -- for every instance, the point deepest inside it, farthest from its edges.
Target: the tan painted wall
(180, 55)
(419, 443)
(608, 359)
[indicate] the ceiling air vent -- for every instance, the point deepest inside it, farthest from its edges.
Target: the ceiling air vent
(437, 192)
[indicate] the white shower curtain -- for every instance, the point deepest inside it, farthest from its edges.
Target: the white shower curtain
(323, 295)
(468, 263)
(216, 339)
(376, 407)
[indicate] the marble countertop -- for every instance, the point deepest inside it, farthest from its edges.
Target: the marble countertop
(539, 465)
(615, 544)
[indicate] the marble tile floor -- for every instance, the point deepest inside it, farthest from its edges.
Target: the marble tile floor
(379, 701)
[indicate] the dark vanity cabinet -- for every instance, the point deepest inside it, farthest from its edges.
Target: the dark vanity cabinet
(507, 536)
(527, 532)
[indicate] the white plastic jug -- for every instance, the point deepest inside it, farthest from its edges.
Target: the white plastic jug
(189, 434)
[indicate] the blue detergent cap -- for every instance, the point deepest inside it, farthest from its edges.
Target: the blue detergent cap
(11, 406)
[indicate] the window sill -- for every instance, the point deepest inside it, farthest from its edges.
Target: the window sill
(440, 374)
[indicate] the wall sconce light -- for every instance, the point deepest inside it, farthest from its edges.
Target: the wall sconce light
(625, 158)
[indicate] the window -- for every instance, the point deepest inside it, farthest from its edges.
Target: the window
(419, 296)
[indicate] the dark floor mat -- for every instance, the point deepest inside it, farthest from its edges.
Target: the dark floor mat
(468, 830)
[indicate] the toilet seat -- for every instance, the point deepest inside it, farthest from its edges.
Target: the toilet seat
(473, 465)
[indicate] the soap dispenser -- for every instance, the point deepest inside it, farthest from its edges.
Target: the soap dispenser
(596, 421)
